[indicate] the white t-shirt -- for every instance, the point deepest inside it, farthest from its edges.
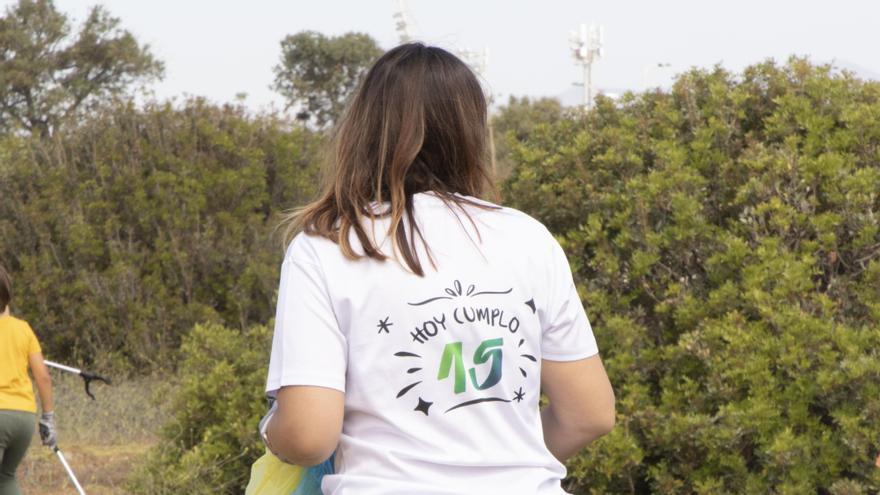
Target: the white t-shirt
(441, 373)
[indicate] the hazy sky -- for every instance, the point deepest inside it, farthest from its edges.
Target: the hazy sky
(218, 48)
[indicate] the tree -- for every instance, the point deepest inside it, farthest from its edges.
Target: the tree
(46, 74)
(319, 73)
(515, 122)
(521, 115)
(125, 230)
(725, 237)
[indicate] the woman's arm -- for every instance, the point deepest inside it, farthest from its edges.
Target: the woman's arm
(305, 428)
(581, 405)
(43, 380)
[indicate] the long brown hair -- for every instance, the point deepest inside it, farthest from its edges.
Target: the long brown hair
(417, 122)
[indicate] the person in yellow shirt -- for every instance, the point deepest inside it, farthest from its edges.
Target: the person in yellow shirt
(20, 350)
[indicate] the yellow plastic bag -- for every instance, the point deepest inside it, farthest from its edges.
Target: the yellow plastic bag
(271, 476)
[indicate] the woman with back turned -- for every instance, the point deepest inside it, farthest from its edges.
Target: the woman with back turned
(418, 323)
(19, 349)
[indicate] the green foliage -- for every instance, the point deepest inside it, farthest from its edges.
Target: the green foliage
(125, 231)
(516, 121)
(319, 73)
(46, 74)
(726, 241)
(211, 441)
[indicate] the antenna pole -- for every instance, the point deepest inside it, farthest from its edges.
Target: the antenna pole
(401, 22)
(587, 48)
(479, 62)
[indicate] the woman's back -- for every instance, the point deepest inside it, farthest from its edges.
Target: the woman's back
(414, 320)
(20, 350)
(17, 343)
(441, 373)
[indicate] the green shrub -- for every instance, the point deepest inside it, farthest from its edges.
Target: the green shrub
(124, 231)
(216, 404)
(726, 241)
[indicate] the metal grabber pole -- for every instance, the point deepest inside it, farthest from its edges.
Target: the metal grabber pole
(87, 378)
(79, 488)
(86, 375)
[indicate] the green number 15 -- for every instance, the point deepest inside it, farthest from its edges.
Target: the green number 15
(452, 357)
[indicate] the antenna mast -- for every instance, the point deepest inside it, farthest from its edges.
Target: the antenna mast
(402, 22)
(479, 62)
(587, 48)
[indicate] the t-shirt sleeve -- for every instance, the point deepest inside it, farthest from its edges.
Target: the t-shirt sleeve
(308, 347)
(33, 345)
(566, 331)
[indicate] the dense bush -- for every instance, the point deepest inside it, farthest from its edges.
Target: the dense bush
(124, 231)
(515, 121)
(211, 441)
(724, 236)
(726, 242)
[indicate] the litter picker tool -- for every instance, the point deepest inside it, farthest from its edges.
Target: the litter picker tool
(79, 488)
(87, 376)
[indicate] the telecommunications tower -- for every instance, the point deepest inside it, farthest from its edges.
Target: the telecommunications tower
(403, 22)
(479, 61)
(587, 48)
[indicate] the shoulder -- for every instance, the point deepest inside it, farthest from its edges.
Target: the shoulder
(19, 323)
(308, 248)
(513, 220)
(20, 327)
(26, 327)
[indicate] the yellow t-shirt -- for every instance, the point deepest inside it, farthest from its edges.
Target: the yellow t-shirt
(17, 342)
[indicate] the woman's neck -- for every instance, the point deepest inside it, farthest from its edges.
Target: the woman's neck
(5, 311)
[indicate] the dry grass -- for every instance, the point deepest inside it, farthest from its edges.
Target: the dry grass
(102, 470)
(104, 441)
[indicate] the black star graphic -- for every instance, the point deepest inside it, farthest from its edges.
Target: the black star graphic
(518, 395)
(423, 406)
(383, 325)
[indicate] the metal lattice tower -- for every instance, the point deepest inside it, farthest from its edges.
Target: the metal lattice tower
(479, 61)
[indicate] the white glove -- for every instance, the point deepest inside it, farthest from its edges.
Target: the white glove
(47, 429)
